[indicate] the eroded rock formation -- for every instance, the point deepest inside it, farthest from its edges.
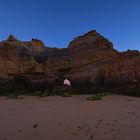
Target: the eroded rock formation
(90, 62)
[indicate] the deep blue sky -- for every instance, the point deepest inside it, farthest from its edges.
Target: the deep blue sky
(57, 22)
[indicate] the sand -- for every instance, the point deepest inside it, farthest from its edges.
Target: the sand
(115, 117)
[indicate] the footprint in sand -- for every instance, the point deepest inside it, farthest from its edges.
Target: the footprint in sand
(100, 120)
(133, 113)
(98, 123)
(91, 137)
(104, 132)
(35, 125)
(107, 124)
(19, 130)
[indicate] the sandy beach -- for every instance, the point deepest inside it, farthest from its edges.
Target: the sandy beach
(115, 117)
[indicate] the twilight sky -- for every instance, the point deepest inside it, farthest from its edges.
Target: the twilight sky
(57, 22)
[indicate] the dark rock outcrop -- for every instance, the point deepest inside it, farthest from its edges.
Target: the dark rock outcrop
(90, 62)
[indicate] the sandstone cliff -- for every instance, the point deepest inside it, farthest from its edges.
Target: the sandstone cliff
(90, 62)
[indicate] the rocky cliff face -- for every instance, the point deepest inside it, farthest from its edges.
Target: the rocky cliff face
(90, 62)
